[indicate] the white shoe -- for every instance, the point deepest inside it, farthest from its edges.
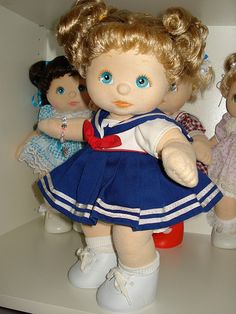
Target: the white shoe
(77, 227)
(124, 292)
(223, 239)
(91, 268)
(57, 223)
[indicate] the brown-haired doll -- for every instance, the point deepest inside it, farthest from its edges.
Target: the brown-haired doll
(222, 170)
(138, 171)
(61, 94)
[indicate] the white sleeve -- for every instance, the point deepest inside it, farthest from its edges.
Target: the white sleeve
(149, 134)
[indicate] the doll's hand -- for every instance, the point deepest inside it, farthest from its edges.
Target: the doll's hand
(202, 150)
(46, 126)
(180, 163)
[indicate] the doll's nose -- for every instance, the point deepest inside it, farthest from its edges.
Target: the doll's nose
(123, 89)
(72, 93)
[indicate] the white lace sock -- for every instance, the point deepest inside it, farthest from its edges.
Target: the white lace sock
(100, 244)
(228, 225)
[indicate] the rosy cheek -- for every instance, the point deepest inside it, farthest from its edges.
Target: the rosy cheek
(54, 104)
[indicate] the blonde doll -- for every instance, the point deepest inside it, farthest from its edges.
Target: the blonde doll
(61, 94)
(197, 76)
(117, 186)
(223, 167)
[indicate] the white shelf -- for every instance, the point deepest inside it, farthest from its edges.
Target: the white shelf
(194, 277)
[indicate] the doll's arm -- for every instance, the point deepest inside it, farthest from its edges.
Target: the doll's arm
(213, 141)
(21, 146)
(53, 128)
(202, 148)
(178, 158)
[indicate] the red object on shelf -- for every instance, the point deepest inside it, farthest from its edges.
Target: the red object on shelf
(170, 238)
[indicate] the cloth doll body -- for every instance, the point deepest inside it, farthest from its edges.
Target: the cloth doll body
(115, 181)
(65, 96)
(172, 104)
(222, 169)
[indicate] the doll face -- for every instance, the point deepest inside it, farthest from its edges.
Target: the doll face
(174, 100)
(68, 94)
(126, 83)
(231, 100)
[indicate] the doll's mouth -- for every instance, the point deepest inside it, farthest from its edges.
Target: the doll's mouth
(73, 103)
(122, 104)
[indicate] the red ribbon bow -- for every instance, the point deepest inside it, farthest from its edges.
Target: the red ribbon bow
(99, 143)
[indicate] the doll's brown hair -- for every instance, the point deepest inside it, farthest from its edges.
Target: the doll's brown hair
(91, 28)
(190, 35)
(230, 74)
(42, 73)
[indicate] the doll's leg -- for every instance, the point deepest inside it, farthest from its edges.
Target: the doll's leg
(133, 284)
(96, 259)
(224, 224)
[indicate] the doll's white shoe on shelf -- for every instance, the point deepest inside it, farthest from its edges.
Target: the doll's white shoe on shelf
(56, 223)
(126, 292)
(91, 268)
(223, 239)
(77, 227)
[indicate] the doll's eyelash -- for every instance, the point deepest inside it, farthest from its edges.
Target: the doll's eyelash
(102, 72)
(148, 78)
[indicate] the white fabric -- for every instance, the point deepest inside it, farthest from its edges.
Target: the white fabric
(100, 244)
(143, 138)
(149, 134)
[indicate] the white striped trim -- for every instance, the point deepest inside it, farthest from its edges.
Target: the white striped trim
(210, 198)
(115, 215)
(101, 131)
(116, 207)
(60, 194)
(205, 190)
(185, 210)
(140, 219)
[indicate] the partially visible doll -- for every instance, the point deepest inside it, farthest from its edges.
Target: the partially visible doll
(62, 94)
(223, 167)
(197, 76)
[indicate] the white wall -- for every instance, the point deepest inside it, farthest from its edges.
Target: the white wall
(221, 42)
(22, 43)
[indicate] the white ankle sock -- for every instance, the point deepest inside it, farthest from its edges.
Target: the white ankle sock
(228, 225)
(100, 244)
(143, 270)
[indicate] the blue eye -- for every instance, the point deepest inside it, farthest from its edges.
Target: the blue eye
(60, 90)
(142, 82)
(106, 78)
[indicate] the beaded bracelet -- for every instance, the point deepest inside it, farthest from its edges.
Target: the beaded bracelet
(62, 136)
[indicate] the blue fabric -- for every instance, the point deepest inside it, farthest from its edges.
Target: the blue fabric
(127, 188)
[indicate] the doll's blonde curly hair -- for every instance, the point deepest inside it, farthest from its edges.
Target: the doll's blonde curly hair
(91, 28)
(190, 35)
(229, 76)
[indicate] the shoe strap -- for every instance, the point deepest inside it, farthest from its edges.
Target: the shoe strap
(120, 282)
(86, 256)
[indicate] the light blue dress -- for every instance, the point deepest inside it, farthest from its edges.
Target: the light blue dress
(44, 153)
